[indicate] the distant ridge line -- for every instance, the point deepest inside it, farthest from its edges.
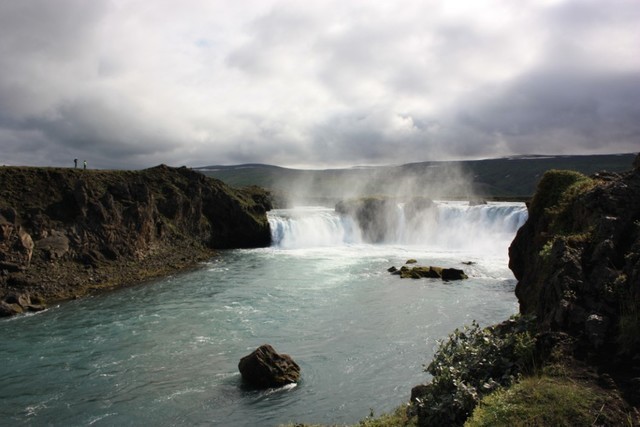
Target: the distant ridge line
(513, 176)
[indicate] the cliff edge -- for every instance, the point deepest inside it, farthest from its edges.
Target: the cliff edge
(577, 260)
(572, 355)
(67, 232)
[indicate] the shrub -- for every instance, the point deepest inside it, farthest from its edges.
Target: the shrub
(470, 364)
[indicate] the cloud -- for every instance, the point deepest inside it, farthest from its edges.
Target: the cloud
(130, 84)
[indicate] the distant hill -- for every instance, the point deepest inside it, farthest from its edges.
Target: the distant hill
(513, 177)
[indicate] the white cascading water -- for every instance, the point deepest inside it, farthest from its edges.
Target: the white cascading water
(453, 226)
(310, 227)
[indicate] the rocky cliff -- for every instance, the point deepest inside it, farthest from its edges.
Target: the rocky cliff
(572, 355)
(577, 259)
(66, 232)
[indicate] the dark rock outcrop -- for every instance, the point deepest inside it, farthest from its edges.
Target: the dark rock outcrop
(265, 368)
(376, 216)
(430, 272)
(65, 232)
(577, 259)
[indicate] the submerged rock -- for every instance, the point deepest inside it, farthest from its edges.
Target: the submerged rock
(20, 303)
(266, 368)
(453, 274)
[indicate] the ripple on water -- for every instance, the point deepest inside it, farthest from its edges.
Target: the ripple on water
(167, 353)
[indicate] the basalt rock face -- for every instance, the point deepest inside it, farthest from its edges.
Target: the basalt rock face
(577, 259)
(378, 218)
(64, 232)
(374, 215)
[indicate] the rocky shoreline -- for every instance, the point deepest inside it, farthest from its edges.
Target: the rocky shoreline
(65, 233)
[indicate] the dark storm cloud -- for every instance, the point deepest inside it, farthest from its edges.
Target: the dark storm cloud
(331, 83)
(598, 111)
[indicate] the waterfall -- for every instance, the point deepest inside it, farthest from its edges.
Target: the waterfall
(487, 227)
(311, 227)
(446, 225)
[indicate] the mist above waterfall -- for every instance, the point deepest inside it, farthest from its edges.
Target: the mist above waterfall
(436, 181)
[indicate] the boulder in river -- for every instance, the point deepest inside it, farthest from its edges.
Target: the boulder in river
(453, 274)
(431, 272)
(265, 368)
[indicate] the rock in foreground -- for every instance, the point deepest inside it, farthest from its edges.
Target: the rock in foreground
(266, 368)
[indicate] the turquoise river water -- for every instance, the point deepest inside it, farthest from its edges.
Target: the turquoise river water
(166, 353)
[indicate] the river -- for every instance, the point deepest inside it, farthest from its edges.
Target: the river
(166, 353)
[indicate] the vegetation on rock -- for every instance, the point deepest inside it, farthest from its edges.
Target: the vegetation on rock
(577, 261)
(550, 401)
(66, 232)
(470, 364)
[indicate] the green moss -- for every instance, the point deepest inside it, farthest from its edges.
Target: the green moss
(545, 252)
(553, 203)
(548, 401)
(552, 187)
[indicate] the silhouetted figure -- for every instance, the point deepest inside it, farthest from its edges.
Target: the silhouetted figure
(85, 164)
(75, 163)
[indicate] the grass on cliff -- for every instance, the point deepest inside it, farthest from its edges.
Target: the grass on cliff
(556, 191)
(549, 401)
(553, 188)
(397, 418)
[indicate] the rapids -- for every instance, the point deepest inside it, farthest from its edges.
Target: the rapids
(166, 353)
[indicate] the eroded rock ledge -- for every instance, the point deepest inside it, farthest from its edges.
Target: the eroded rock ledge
(577, 259)
(66, 232)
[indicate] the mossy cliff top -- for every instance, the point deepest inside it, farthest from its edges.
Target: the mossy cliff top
(577, 259)
(64, 232)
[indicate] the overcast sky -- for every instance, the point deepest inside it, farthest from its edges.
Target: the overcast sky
(135, 83)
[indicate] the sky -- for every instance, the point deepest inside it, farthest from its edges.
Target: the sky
(129, 84)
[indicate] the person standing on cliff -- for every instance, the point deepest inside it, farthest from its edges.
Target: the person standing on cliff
(75, 163)
(85, 164)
